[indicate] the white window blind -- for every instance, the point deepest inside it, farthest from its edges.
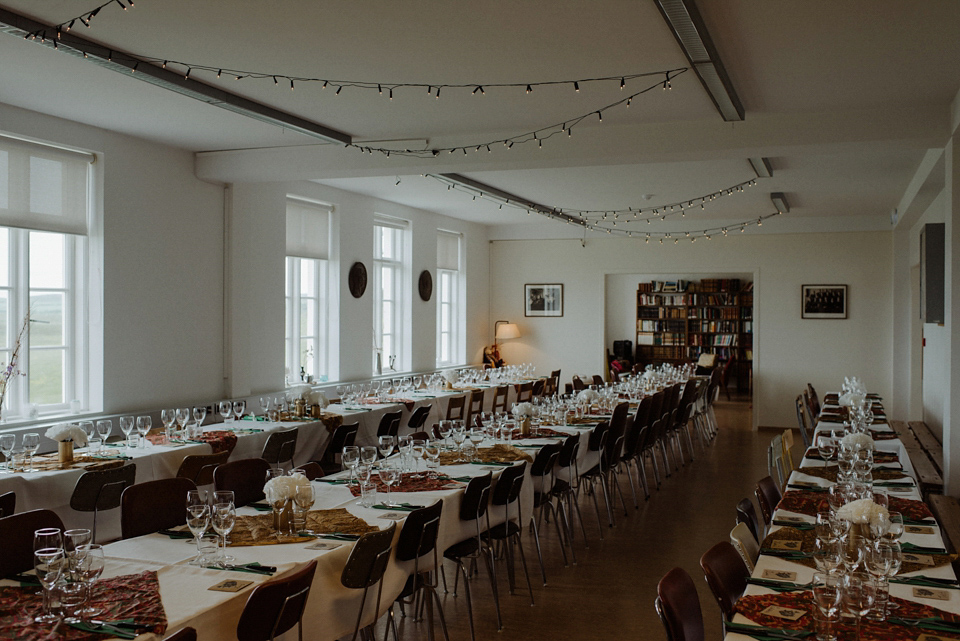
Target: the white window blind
(308, 229)
(43, 188)
(389, 221)
(448, 250)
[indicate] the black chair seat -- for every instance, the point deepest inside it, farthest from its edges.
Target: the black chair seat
(465, 548)
(502, 531)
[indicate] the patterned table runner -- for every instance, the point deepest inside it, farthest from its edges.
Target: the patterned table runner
(258, 529)
(499, 453)
(829, 473)
(132, 596)
(810, 503)
(879, 456)
(412, 482)
(51, 462)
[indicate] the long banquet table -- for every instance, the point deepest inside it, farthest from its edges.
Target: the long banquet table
(767, 564)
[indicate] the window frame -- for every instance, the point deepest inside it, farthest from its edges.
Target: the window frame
(294, 299)
(398, 265)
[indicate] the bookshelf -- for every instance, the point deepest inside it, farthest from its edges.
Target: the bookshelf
(679, 320)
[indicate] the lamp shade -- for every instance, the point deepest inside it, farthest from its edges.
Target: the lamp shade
(507, 330)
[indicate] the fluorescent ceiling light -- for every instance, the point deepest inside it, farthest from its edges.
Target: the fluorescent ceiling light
(780, 202)
(761, 167)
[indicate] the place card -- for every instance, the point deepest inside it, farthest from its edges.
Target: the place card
(230, 585)
(931, 593)
(918, 529)
(393, 516)
(323, 545)
(791, 519)
(899, 490)
(920, 559)
(786, 545)
(779, 575)
(930, 637)
(492, 468)
(805, 484)
(790, 614)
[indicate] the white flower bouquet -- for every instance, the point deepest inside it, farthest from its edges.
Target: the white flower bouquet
(523, 410)
(451, 376)
(64, 433)
(283, 488)
(319, 398)
(857, 440)
(588, 396)
(864, 511)
(299, 391)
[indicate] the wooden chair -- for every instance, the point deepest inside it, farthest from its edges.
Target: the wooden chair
(365, 568)
(747, 515)
(312, 470)
(101, 490)
(245, 478)
(678, 606)
(578, 384)
(500, 396)
(16, 532)
(814, 401)
(420, 436)
(726, 574)
(277, 605)
(280, 447)
(747, 547)
(152, 506)
(539, 386)
(389, 424)
(476, 404)
(768, 497)
(525, 392)
(787, 458)
(199, 467)
(456, 407)
(725, 376)
(598, 380)
(8, 504)
(802, 420)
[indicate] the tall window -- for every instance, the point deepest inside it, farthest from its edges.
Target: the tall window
(449, 315)
(307, 309)
(44, 205)
(389, 291)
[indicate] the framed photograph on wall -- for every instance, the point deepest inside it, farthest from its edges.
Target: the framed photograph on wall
(543, 300)
(824, 301)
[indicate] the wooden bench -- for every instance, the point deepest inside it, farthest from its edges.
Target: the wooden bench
(947, 511)
(928, 473)
(929, 443)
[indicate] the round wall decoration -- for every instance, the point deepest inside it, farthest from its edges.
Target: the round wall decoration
(357, 279)
(425, 285)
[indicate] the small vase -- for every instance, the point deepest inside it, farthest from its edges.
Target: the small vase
(65, 451)
(524, 427)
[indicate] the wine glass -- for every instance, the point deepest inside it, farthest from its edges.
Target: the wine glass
(225, 408)
(238, 409)
(49, 566)
(31, 443)
(183, 417)
(73, 540)
(88, 429)
(89, 568)
(444, 428)
(828, 448)
(350, 457)
(418, 447)
(851, 556)
(385, 445)
(198, 520)
(104, 428)
(368, 454)
(168, 417)
(264, 404)
(126, 426)
(459, 436)
(476, 437)
(828, 596)
(826, 555)
(223, 518)
(302, 502)
(894, 528)
(878, 561)
(144, 423)
(432, 450)
(7, 443)
(859, 594)
(199, 414)
(389, 474)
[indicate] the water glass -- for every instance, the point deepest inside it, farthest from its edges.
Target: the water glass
(827, 596)
(350, 458)
(224, 517)
(31, 443)
(225, 408)
(208, 546)
(7, 443)
(72, 598)
(144, 423)
(199, 414)
(49, 566)
(302, 502)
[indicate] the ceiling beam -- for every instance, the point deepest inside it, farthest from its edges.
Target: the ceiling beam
(508, 198)
(121, 62)
(686, 23)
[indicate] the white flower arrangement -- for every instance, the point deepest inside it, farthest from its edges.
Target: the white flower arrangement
(588, 396)
(63, 433)
(523, 410)
(863, 511)
(319, 398)
(851, 399)
(299, 391)
(283, 488)
(451, 376)
(857, 440)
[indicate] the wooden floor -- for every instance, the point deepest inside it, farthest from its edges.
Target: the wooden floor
(609, 594)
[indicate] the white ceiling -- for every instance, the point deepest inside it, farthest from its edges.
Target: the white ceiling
(844, 98)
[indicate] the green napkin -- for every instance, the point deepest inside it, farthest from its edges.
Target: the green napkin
(919, 522)
(491, 463)
(261, 506)
(105, 628)
(925, 581)
(767, 634)
(336, 481)
(929, 623)
(337, 536)
(177, 534)
(785, 554)
(779, 586)
(808, 488)
(919, 549)
(252, 568)
(402, 507)
(799, 526)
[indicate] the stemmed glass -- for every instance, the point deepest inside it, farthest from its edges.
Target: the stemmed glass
(89, 568)
(168, 418)
(444, 428)
(49, 564)
(385, 445)
(144, 423)
(238, 409)
(302, 502)
(225, 408)
(368, 455)
(389, 474)
(459, 436)
(104, 428)
(199, 414)
(7, 443)
(418, 448)
(73, 540)
(859, 594)
(894, 528)
(31, 443)
(224, 517)
(828, 449)
(476, 437)
(183, 417)
(828, 596)
(878, 561)
(432, 450)
(88, 429)
(265, 404)
(126, 426)
(198, 518)
(350, 457)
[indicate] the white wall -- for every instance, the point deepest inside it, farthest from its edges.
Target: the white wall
(788, 351)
